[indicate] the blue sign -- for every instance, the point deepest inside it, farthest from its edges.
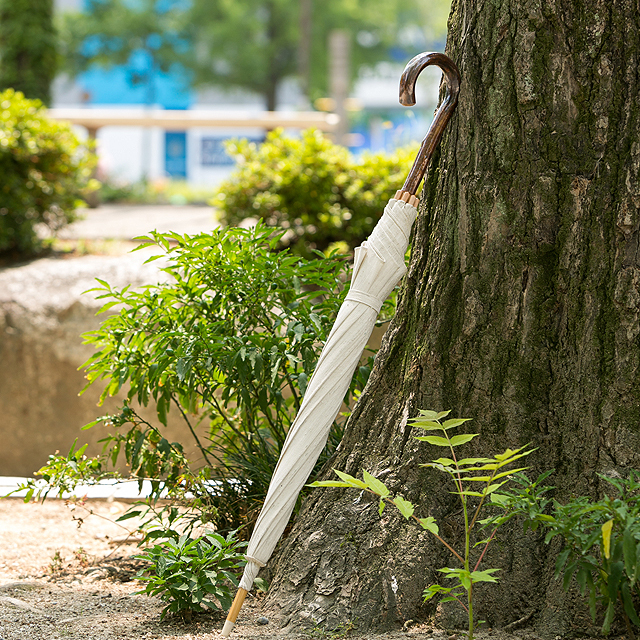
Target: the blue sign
(213, 153)
(175, 154)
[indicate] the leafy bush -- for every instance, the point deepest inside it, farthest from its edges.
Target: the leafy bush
(311, 187)
(601, 539)
(229, 342)
(473, 478)
(44, 170)
(177, 192)
(189, 574)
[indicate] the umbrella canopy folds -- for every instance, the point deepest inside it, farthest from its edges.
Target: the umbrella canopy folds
(379, 265)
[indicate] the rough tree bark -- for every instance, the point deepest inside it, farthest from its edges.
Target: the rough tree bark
(521, 310)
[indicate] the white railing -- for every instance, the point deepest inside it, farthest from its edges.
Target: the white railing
(94, 119)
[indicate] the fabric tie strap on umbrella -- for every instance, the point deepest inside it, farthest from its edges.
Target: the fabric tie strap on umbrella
(379, 264)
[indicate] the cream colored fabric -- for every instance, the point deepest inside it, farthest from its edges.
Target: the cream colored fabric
(379, 265)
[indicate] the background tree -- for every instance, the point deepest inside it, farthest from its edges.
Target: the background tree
(520, 310)
(28, 57)
(252, 45)
(255, 45)
(146, 37)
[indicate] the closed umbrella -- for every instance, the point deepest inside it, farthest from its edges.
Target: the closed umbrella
(378, 266)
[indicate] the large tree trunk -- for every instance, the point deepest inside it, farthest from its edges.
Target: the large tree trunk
(520, 310)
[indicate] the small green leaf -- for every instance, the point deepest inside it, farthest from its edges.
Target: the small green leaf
(473, 461)
(606, 539)
(381, 507)
(493, 487)
(561, 561)
(436, 440)
(375, 485)
(353, 482)
(608, 618)
(429, 524)
(615, 577)
(461, 439)
(484, 576)
(629, 552)
(445, 462)
(581, 578)
(454, 422)
(404, 506)
(481, 542)
(329, 483)
(627, 601)
(426, 425)
(568, 574)
(302, 382)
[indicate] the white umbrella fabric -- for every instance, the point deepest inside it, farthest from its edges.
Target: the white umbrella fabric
(379, 265)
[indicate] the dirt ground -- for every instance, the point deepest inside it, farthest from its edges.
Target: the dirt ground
(60, 580)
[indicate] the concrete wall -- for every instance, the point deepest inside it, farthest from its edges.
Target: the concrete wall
(43, 311)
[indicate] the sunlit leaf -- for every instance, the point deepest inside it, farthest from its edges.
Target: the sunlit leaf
(454, 422)
(375, 485)
(435, 440)
(484, 576)
(404, 506)
(606, 538)
(354, 482)
(429, 524)
(462, 438)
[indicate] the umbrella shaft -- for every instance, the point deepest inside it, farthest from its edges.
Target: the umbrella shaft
(234, 611)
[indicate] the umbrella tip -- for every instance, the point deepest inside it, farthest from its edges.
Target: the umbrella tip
(228, 628)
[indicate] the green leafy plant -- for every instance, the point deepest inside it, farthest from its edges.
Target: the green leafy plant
(45, 171)
(601, 549)
(474, 479)
(189, 574)
(64, 473)
(227, 343)
(311, 187)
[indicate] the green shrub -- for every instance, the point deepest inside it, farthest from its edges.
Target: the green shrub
(601, 541)
(44, 170)
(189, 574)
(310, 187)
(228, 343)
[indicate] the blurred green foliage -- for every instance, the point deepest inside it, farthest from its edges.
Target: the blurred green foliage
(252, 45)
(314, 189)
(45, 170)
(164, 191)
(28, 47)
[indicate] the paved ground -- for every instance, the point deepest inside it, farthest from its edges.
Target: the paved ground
(125, 222)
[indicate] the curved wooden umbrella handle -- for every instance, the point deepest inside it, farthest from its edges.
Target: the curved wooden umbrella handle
(408, 99)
